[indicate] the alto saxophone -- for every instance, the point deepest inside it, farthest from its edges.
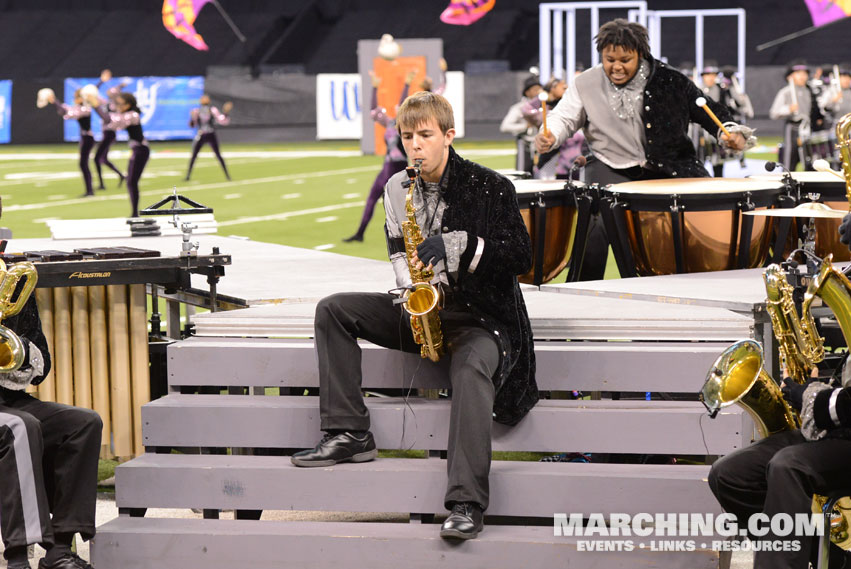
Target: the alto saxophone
(422, 300)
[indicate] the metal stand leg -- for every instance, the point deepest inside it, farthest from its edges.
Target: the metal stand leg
(677, 236)
(614, 220)
(577, 255)
(746, 233)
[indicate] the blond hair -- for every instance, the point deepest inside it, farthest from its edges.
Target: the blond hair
(423, 106)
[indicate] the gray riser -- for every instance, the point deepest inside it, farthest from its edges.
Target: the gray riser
(584, 366)
(140, 543)
(551, 426)
(536, 489)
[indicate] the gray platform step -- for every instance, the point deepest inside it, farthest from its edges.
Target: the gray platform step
(141, 543)
(551, 426)
(537, 489)
(585, 366)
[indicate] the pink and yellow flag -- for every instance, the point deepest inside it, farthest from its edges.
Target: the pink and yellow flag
(827, 11)
(179, 17)
(466, 12)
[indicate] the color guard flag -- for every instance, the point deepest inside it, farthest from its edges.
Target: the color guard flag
(179, 17)
(827, 11)
(466, 12)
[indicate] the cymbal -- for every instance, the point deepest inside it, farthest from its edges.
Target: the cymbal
(807, 209)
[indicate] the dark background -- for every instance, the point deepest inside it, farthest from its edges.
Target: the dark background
(43, 41)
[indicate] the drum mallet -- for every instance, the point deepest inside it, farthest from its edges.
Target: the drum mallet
(543, 96)
(701, 102)
(822, 165)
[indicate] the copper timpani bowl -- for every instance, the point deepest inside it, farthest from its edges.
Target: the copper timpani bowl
(689, 225)
(548, 208)
(831, 192)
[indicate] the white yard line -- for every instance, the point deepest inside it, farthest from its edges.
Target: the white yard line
(283, 154)
(163, 192)
(288, 214)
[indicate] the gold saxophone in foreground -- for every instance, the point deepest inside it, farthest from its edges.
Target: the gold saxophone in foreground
(12, 351)
(422, 301)
(737, 376)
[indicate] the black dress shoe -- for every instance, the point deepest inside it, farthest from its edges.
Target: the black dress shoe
(465, 521)
(68, 561)
(343, 447)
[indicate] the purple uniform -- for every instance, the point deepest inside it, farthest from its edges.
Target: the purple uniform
(395, 160)
(553, 164)
(205, 118)
(83, 115)
(102, 152)
(139, 150)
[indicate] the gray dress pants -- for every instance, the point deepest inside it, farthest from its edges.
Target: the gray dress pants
(342, 319)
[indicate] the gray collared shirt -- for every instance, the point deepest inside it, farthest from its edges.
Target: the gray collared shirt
(612, 123)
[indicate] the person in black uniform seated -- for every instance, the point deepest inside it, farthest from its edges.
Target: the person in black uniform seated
(781, 473)
(48, 460)
(634, 111)
(476, 243)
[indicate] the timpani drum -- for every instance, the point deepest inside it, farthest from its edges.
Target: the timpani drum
(548, 208)
(689, 225)
(831, 192)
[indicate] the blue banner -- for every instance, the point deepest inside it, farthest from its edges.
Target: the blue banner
(5, 111)
(165, 103)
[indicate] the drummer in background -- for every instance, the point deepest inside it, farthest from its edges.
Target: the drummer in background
(515, 124)
(634, 111)
(736, 102)
(797, 106)
(557, 162)
(836, 100)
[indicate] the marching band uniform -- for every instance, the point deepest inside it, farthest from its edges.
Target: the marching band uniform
(205, 118)
(638, 131)
(471, 215)
(515, 123)
(83, 115)
(108, 137)
(139, 150)
(736, 102)
(48, 460)
(555, 163)
(395, 159)
(837, 102)
(779, 474)
(799, 123)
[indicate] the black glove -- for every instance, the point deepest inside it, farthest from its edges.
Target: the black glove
(793, 392)
(845, 230)
(431, 250)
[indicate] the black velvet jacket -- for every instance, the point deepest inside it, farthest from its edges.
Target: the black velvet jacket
(484, 204)
(27, 325)
(669, 107)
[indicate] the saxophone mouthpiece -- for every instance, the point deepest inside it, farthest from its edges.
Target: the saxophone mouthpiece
(413, 170)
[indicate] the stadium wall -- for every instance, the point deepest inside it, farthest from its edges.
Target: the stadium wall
(281, 107)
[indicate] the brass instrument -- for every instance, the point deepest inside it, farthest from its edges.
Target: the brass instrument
(737, 375)
(843, 143)
(12, 350)
(423, 299)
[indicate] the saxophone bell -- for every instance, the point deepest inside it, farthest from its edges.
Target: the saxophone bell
(12, 351)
